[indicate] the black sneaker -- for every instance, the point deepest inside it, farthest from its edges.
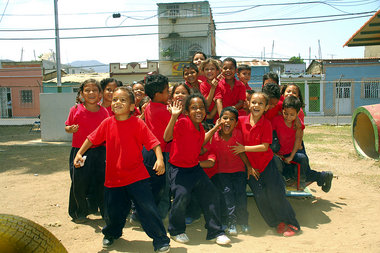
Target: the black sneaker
(165, 248)
(327, 181)
(107, 241)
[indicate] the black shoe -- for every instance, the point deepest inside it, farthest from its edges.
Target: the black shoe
(107, 241)
(327, 181)
(80, 220)
(165, 248)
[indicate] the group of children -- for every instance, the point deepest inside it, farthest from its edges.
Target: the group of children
(187, 151)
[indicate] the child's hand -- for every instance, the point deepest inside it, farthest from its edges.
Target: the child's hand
(218, 123)
(143, 108)
(252, 172)
(159, 167)
(78, 160)
(288, 159)
(237, 149)
(220, 77)
(73, 128)
(175, 108)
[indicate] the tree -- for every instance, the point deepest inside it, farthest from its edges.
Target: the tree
(296, 59)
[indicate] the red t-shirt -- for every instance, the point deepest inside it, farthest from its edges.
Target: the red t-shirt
(301, 115)
(260, 133)
(109, 110)
(231, 96)
(136, 112)
(124, 143)
(157, 118)
(277, 110)
(286, 135)
(247, 87)
(227, 161)
(205, 88)
(187, 143)
(209, 154)
(87, 121)
(202, 78)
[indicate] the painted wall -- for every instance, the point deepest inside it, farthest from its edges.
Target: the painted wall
(55, 108)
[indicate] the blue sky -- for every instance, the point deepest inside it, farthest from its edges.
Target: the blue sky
(290, 40)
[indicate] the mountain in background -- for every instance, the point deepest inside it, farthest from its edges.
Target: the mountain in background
(93, 64)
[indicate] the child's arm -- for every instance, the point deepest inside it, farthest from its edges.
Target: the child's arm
(219, 105)
(211, 132)
(207, 163)
(250, 170)
(239, 105)
(296, 146)
(175, 109)
(159, 165)
(210, 97)
(78, 158)
(71, 129)
(257, 148)
(212, 114)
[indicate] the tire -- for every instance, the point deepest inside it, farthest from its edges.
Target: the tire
(18, 234)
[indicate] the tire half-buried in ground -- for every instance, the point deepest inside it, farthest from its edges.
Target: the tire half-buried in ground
(18, 234)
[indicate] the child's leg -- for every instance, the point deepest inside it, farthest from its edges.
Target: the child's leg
(304, 163)
(209, 201)
(182, 181)
(228, 194)
(117, 206)
(240, 183)
(72, 203)
(148, 213)
(273, 186)
(223, 208)
(99, 175)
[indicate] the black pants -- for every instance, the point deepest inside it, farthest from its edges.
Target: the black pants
(269, 194)
(233, 189)
(183, 183)
(118, 205)
(87, 182)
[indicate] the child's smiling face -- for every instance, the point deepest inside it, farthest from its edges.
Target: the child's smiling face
(258, 105)
(244, 75)
(108, 91)
(198, 59)
(291, 90)
(229, 122)
(91, 93)
(180, 94)
(190, 75)
(228, 70)
(196, 110)
(210, 71)
(121, 103)
(290, 114)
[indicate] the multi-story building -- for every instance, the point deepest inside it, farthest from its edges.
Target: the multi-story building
(184, 28)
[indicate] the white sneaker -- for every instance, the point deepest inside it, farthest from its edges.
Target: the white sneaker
(181, 238)
(222, 240)
(232, 230)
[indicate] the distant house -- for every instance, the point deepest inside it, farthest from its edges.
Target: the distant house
(347, 83)
(133, 71)
(20, 87)
(258, 69)
(71, 83)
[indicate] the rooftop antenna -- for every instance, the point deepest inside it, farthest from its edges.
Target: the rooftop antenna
(271, 54)
(22, 52)
(319, 50)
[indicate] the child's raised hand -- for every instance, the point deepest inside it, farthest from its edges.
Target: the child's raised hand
(175, 108)
(237, 149)
(159, 167)
(220, 77)
(214, 83)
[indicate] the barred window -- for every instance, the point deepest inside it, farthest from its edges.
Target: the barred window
(371, 89)
(343, 90)
(26, 96)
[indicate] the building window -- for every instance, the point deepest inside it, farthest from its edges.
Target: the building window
(343, 90)
(26, 96)
(371, 88)
(173, 10)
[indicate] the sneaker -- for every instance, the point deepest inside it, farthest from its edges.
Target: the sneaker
(222, 240)
(133, 219)
(190, 220)
(81, 220)
(181, 238)
(245, 229)
(165, 248)
(107, 241)
(290, 231)
(232, 230)
(327, 181)
(281, 228)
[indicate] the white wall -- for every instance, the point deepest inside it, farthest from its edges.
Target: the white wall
(54, 109)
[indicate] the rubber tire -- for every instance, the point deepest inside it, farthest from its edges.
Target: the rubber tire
(18, 234)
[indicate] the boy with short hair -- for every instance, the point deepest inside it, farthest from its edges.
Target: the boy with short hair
(275, 104)
(233, 91)
(244, 75)
(284, 126)
(190, 74)
(126, 177)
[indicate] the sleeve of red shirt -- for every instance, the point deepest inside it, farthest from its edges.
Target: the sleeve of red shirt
(98, 136)
(210, 152)
(70, 118)
(147, 137)
(267, 132)
(218, 93)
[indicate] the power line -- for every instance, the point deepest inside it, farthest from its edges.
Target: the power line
(219, 29)
(184, 24)
(4, 11)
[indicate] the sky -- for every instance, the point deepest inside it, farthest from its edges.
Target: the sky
(273, 41)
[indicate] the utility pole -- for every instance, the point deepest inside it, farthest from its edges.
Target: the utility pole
(57, 47)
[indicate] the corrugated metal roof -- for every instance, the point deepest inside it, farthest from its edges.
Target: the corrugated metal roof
(79, 78)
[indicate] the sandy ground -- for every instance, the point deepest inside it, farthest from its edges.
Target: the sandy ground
(345, 219)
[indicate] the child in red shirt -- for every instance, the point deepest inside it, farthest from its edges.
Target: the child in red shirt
(244, 75)
(139, 92)
(126, 176)
(198, 58)
(284, 126)
(263, 177)
(233, 91)
(108, 86)
(231, 174)
(186, 176)
(190, 74)
(86, 191)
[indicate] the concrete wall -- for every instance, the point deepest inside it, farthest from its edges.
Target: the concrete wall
(55, 108)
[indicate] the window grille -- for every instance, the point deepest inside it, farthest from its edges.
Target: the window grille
(26, 96)
(371, 88)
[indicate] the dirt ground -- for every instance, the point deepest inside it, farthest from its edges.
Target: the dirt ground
(34, 183)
